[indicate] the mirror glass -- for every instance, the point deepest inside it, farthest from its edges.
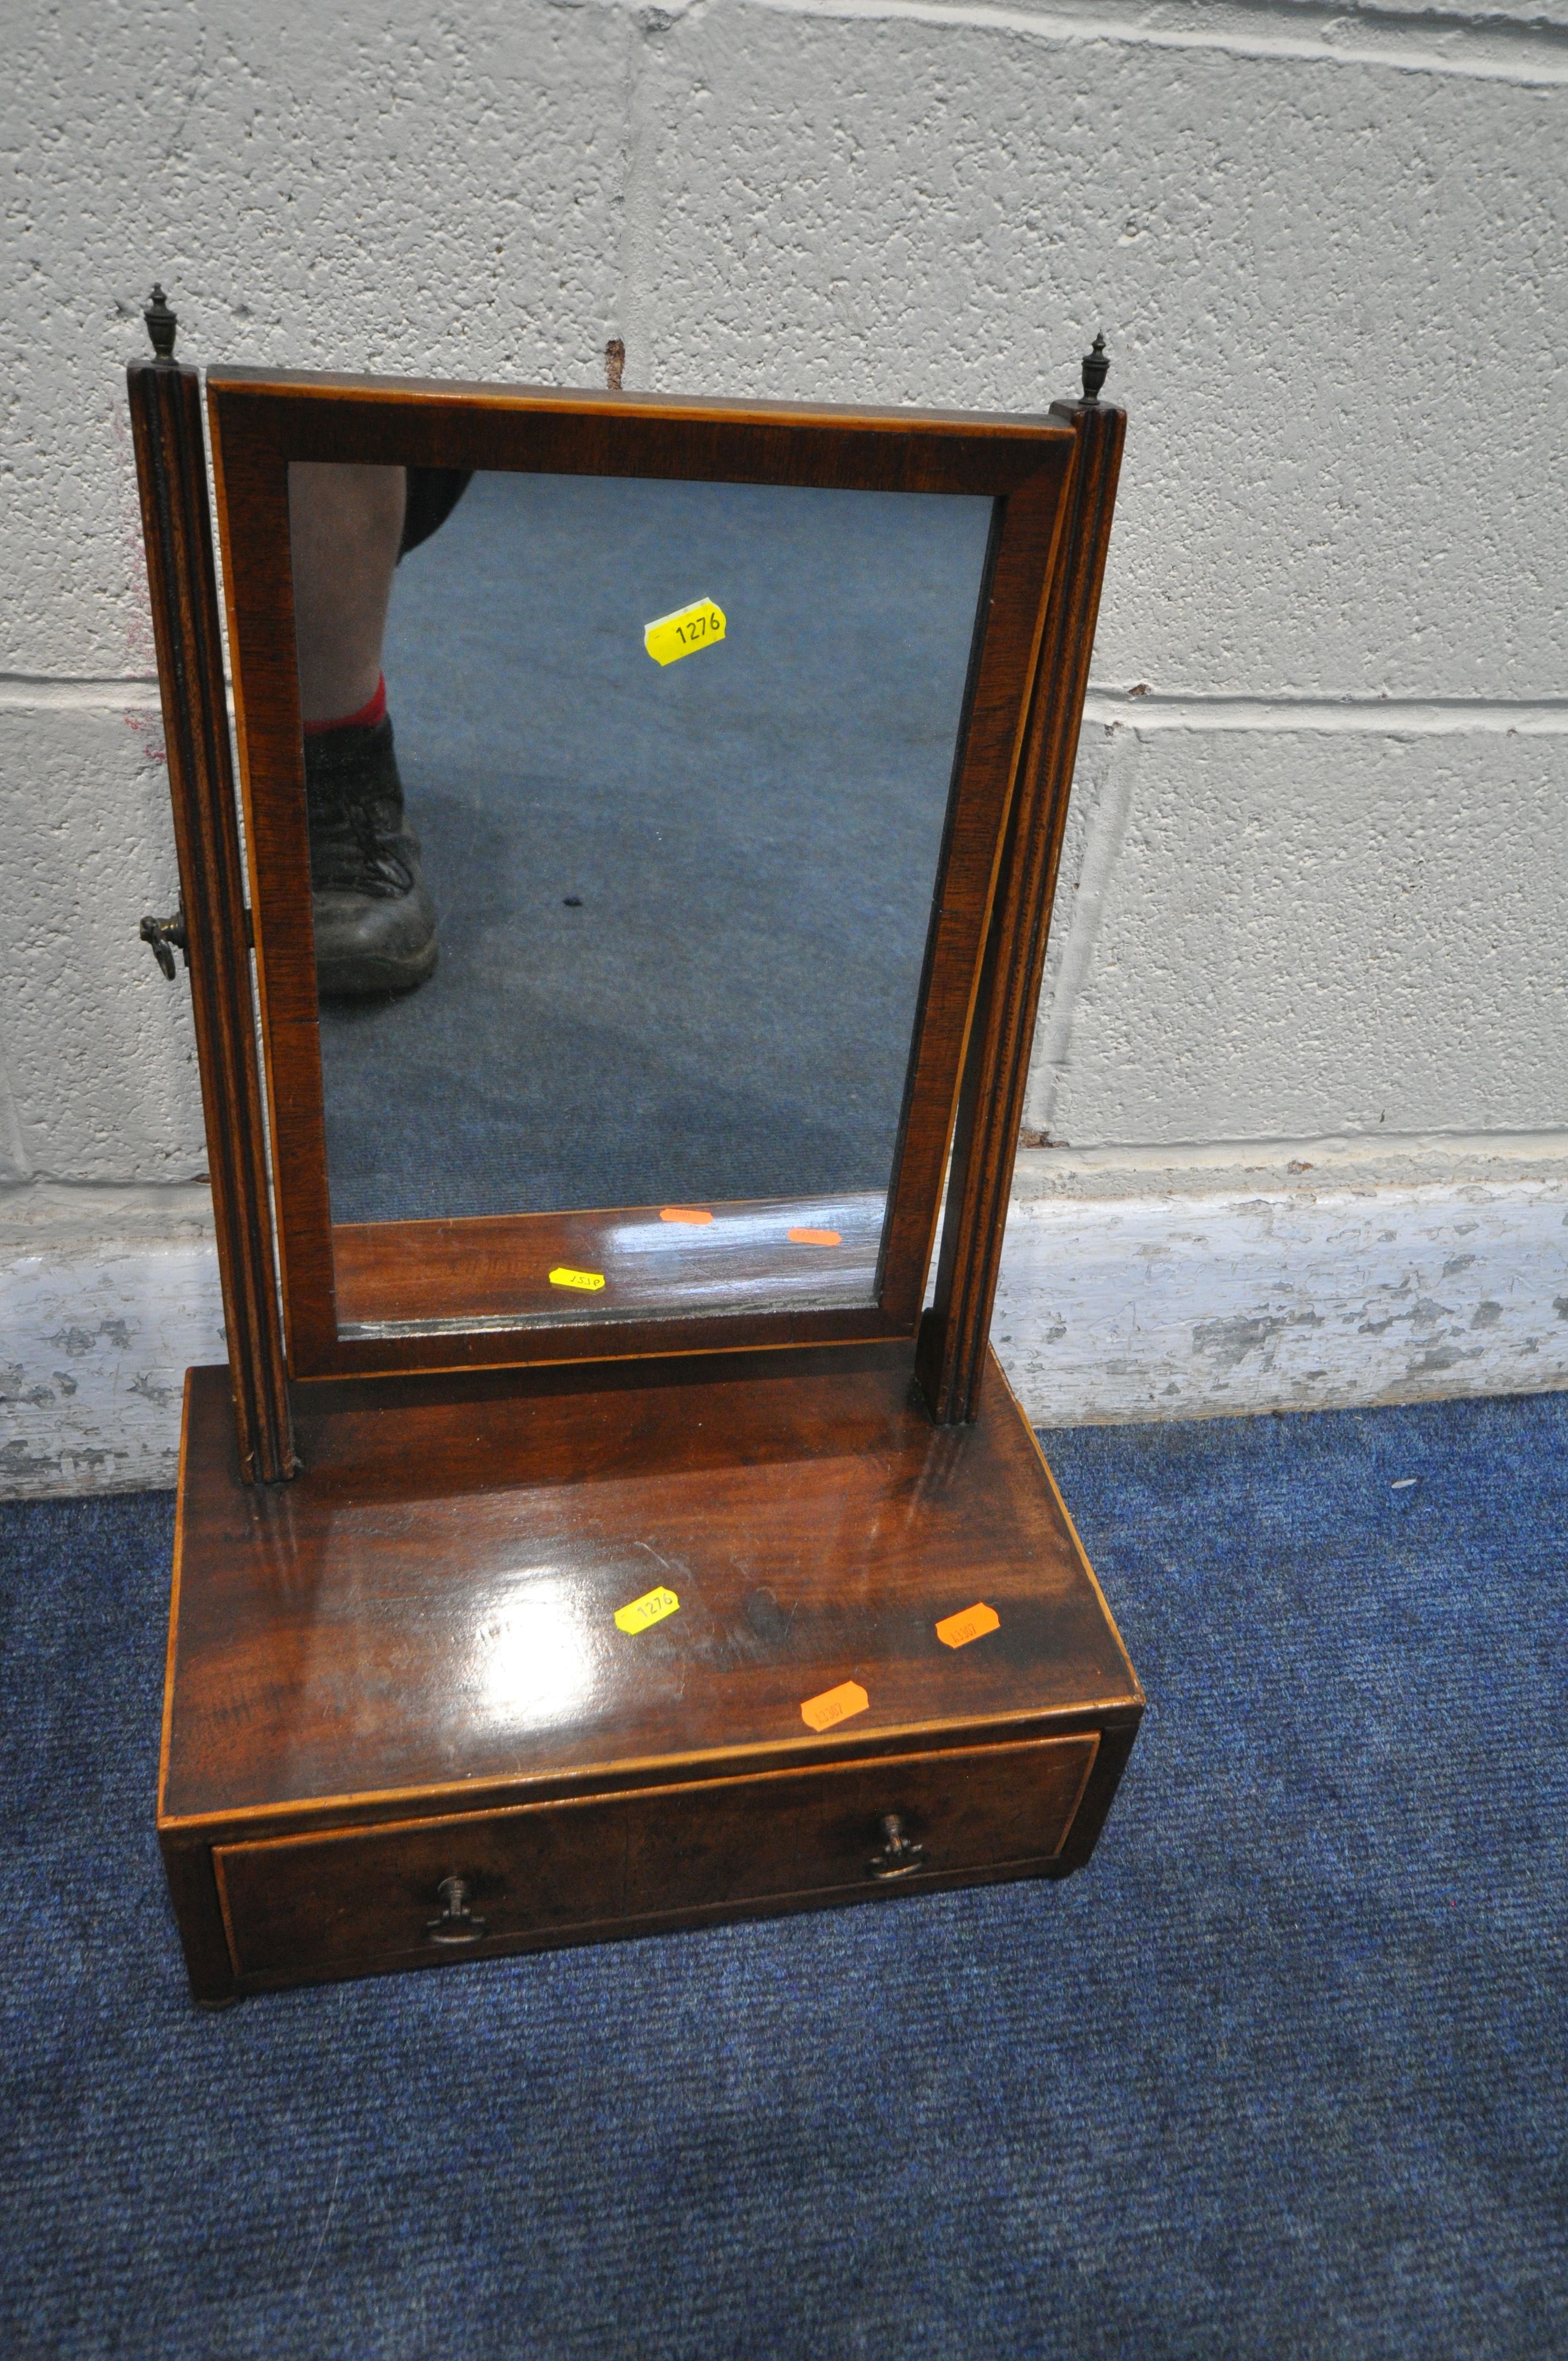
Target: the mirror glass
(626, 800)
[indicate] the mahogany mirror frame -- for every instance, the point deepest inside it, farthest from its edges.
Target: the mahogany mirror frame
(262, 420)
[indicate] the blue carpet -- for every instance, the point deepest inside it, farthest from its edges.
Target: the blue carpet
(1282, 2072)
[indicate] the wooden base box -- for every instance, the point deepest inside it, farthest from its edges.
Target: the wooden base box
(403, 1727)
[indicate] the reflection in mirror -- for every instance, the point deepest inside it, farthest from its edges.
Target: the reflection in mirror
(626, 801)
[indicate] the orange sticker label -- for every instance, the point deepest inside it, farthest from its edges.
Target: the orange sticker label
(834, 1705)
(695, 1214)
(958, 1630)
(814, 1238)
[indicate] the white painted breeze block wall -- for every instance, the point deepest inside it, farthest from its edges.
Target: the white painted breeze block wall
(1301, 1070)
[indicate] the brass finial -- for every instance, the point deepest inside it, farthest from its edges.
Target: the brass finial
(160, 325)
(1096, 369)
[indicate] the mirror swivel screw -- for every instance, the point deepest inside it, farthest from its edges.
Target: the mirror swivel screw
(166, 936)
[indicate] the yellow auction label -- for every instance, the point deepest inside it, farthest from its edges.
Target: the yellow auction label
(669, 637)
(651, 1608)
(591, 1280)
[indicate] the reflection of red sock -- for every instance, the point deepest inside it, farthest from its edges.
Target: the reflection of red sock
(365, 719)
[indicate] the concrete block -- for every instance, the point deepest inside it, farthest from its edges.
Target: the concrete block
(1313, 882)
(1275, 934)
(341, 187)
(1323, 284)
(100, 1052)
(1323, 271)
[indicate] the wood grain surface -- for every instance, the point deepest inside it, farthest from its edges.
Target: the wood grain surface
(363, 1896)
(497, 1268)
(955, 1331)
(171, 474)
(431, 1607)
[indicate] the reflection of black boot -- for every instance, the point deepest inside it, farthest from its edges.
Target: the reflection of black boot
(374, 924)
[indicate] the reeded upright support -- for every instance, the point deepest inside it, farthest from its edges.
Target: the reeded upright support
(951, 1359)
(166, 416)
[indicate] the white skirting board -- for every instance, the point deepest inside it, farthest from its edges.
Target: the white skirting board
(1110, 1308)
(1206, 1305)
(95, 1339)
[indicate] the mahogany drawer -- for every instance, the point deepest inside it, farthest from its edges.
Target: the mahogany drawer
(535, 1873)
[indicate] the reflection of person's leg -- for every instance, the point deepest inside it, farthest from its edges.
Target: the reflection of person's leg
(375, 926)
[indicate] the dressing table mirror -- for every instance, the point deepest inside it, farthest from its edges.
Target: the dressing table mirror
(614, 979)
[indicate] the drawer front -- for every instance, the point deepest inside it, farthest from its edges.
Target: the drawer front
(299, 1905)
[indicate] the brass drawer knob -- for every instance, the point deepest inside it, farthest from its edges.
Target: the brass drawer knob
(899, 1857)
(458, 1923)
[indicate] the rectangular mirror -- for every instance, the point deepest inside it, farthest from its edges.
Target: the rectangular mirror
(619, 922)
(625, 784)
